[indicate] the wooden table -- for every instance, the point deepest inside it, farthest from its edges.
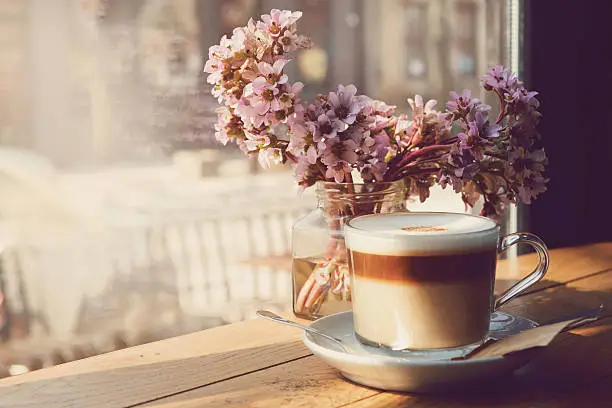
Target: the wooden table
(260, 364)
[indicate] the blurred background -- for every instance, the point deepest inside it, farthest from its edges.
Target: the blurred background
(122, 220)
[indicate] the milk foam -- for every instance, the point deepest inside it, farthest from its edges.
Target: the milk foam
(443, 233)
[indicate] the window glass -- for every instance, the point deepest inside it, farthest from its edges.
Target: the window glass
(117, 205)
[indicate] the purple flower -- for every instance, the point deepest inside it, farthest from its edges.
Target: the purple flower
(485, 128)
(336, 151)
(376, 146)
(373, 170)
(327, 127)
(525, 168)
(494, 205)
(344, 106)
(499, 77)
(520, 95)
(447, 178)
(525, 163)
(461, 104)
(343, 132)
(531, 187)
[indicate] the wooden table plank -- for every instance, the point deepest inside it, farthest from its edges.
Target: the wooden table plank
(312, 383)
(307, 383)
(566, 264)
(572, 297)
(142, 373)
(185, 369)
(565, 371)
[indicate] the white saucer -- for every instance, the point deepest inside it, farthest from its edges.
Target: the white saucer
(415, 371)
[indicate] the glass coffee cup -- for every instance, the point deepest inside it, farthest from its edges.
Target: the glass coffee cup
(424, 281)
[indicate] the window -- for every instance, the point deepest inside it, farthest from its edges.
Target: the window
(415, 27)
(111, 182)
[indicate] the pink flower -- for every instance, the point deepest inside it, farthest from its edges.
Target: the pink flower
(265, 96)
(263, 92)
(344, 106)
(420, 109)
(306, 173)
(289, 41)
(221, 133)
(252, 114)
(426, 126)
(277, 20)
(382, 108)
(269, 156)
(255, 142)
(214, 65)
(274, 73)
(229, 127)
(287, 99)
(312, 155)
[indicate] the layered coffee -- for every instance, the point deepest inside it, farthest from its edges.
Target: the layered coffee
(422, 280)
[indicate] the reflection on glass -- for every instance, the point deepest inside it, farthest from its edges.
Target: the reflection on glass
(466, 42)
(415, 27)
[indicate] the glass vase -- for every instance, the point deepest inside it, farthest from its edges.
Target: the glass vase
(320, 273)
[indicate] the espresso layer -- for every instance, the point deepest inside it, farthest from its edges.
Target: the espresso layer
(419, 269)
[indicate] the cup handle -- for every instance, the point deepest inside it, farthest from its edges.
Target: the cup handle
(533, 277)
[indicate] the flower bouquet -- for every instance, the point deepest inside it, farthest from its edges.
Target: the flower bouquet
(362, 146)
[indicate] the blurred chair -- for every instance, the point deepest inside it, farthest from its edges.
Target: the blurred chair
(94, 261)
(226, 264)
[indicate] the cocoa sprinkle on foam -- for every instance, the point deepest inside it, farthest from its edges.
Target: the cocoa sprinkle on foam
(423, 228)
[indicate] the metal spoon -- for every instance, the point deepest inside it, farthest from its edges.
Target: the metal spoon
(266, 314)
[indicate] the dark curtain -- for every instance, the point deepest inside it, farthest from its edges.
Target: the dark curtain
(567, 59)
